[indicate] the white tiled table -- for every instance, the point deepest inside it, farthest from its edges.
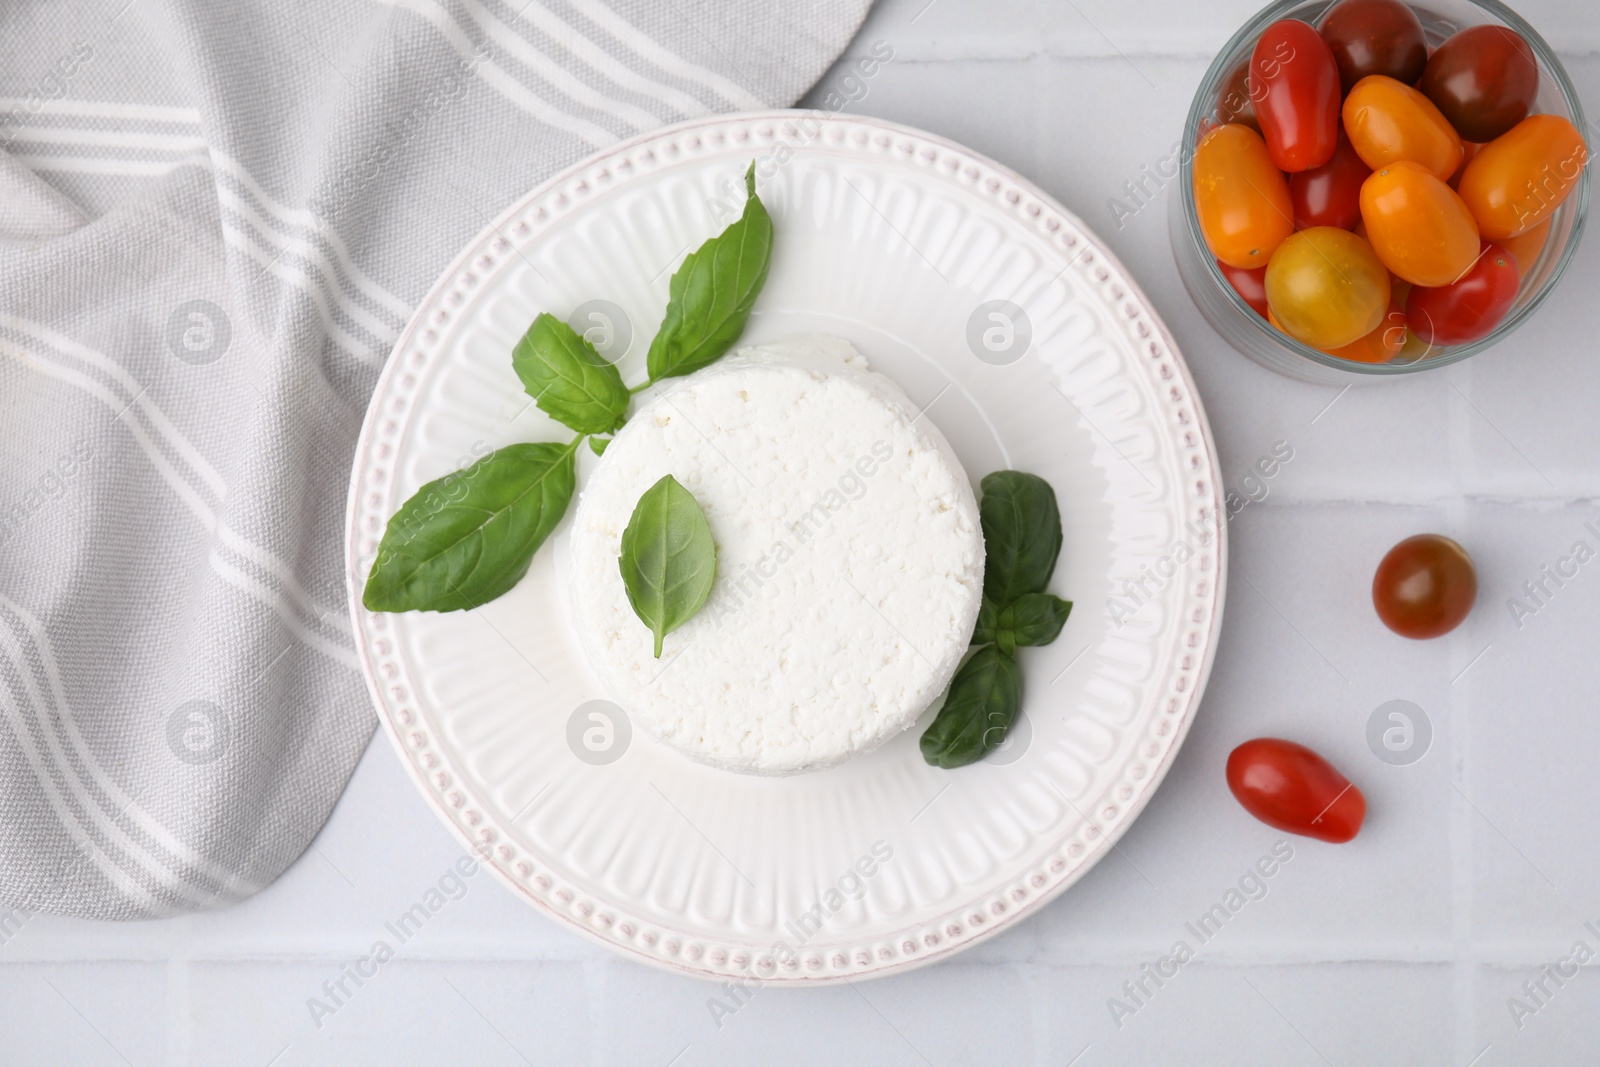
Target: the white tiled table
(1478, 865)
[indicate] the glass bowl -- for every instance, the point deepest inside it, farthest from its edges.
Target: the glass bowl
(1254, 336)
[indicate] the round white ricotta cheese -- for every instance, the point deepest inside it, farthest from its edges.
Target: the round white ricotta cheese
(849, 560)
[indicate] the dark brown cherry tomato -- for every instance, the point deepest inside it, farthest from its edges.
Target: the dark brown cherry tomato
(1375, 37)
(1296, 84)
(1234, 103)
(1330, 195)
(1484, 79)
(1425, 585)
(1291, 788)
(1250, 284)
(1465, 310)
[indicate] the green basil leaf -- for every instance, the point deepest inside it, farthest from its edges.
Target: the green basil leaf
(1021, 534)
(570, 381)
(1031, 619)
(597, 445)
(711, 295)
(985, 696)
(988, 619)
(467, 538)
(669, 559)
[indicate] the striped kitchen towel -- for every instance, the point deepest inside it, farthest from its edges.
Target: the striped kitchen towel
(215, 219)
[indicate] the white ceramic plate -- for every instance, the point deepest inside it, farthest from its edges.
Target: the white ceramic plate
(893, 239)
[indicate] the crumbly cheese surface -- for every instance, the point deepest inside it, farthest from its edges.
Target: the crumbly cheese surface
(849, 560)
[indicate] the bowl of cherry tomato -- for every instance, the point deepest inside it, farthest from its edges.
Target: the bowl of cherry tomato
(1376, 187)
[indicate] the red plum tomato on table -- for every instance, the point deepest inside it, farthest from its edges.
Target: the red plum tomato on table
(1296, 87)
(1425, 586)
(1291, 788)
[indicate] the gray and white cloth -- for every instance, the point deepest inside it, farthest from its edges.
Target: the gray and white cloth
(215, 218)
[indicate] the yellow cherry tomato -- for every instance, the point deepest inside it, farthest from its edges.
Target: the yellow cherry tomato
(1241, 199)
(1417, 224)
(1382, 344)
(1326, 287)
(1388, 121)
(1519, 179)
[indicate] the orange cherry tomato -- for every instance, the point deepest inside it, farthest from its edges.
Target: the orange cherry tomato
(1326, 287)
(1242, 200)
(1388, 121)
(1382, 344)
(1521, 177)
(1419, 227)
(1468, 150)
(1525, 247)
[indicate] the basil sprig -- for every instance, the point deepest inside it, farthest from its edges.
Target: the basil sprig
(1021, 535)
(711, 295)
(1021, 541)
(1031, 619)
(467, 538)
(669, 559)
(982, 705)
(569, 380)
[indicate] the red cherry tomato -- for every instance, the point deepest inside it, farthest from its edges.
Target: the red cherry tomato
(1291, 788)
(1465, 310)
(1425, 585)
(1250, 284)
(1296, 84)
(1330, 195)
(1484, 79)
(1375, 37)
